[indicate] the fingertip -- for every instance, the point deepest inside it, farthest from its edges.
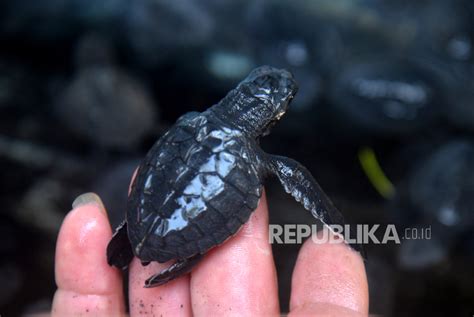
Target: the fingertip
(81, 264)
(329, 274)
(88, 199)
(82, 273)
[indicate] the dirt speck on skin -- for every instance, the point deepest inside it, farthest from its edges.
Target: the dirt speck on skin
(87, 310)
(141, 304)
(161, 298)
(181, 306)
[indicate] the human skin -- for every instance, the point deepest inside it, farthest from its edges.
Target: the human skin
(236, 278)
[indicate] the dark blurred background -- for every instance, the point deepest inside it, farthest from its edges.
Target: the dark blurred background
(384, 120)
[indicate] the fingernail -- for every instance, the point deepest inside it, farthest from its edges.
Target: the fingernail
(88, 199)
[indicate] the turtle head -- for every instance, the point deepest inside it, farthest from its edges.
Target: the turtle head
(260, 100)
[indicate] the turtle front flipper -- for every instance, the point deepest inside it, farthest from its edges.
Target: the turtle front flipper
(179, 268)
(299, 182)
(119, 250)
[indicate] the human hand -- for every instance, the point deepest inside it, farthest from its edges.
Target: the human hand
(235, 278)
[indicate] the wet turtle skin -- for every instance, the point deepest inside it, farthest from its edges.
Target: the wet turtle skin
(201, 181)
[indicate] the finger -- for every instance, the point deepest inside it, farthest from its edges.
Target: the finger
(86, 283)
(238, 277)
(329, 279)
(171, 299)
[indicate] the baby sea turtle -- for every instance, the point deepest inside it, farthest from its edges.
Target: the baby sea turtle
(201, 181)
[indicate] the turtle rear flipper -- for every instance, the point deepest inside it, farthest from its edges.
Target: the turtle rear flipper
(119, 250)
(299, 182)
(179, 268)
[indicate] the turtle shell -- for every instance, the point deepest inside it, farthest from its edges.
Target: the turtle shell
(195, 188)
